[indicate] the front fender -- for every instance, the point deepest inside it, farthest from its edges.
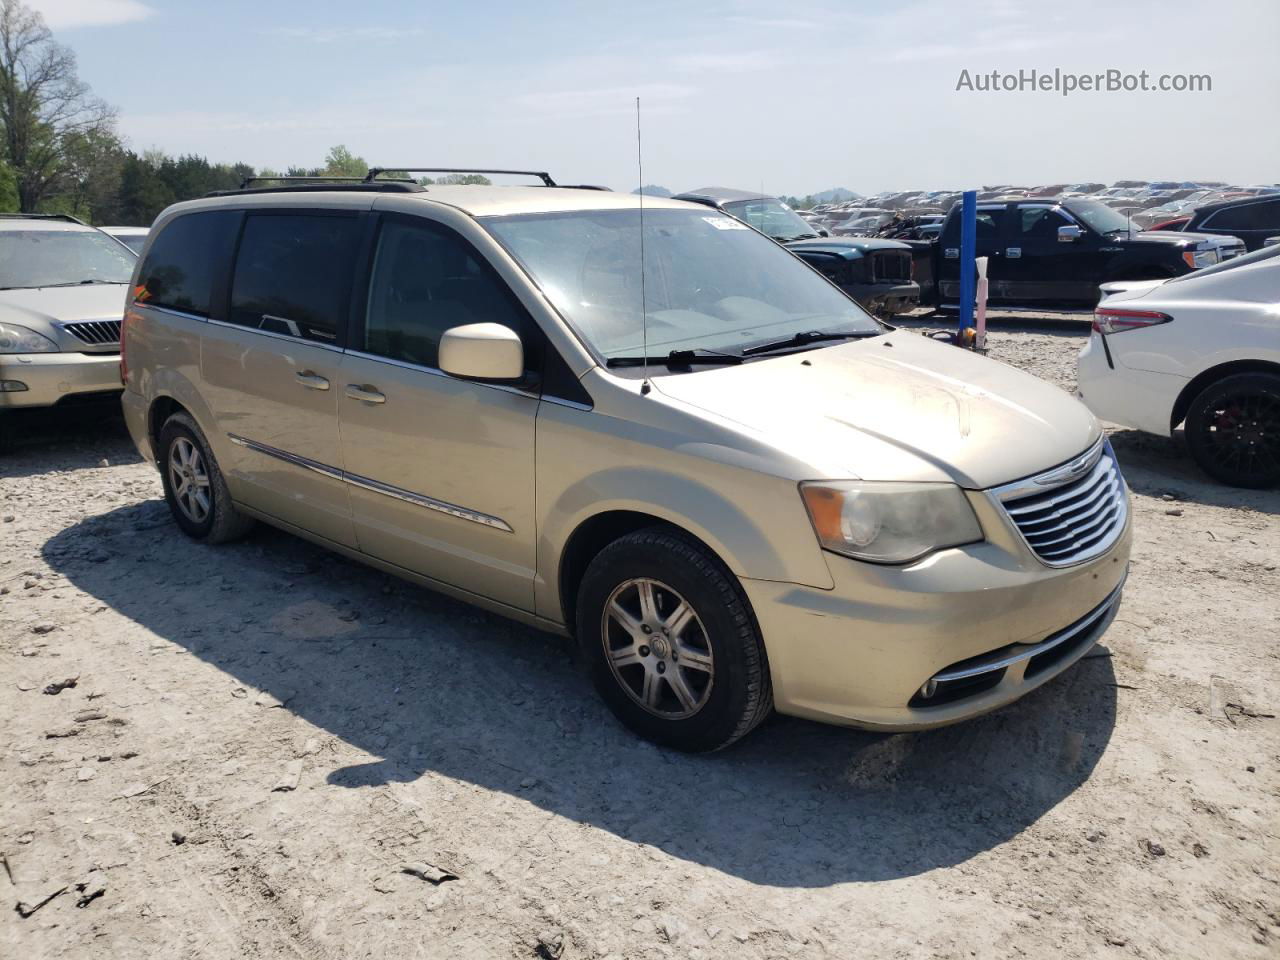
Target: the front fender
(755, 522)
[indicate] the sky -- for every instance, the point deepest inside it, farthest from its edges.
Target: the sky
(786, 97)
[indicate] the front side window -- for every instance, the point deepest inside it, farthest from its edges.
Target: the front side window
(1099, 217)
(426, 279)
(182, 266)
(1040, 223)
(293, 274)
(61, 258)
(709, 282)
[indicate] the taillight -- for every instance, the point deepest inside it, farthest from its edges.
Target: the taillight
(1118, 320)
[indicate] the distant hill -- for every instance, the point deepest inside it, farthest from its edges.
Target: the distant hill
(653, 190)
(836, 195)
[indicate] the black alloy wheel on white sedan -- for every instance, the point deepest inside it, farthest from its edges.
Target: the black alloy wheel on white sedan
(1233, 430)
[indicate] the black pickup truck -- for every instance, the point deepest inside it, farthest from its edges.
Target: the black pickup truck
(1048, 251)
(874, 271)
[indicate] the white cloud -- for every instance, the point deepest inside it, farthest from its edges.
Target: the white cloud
(61, 14)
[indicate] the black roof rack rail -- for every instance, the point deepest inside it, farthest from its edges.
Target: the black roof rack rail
(43, 216)
(358, 186)
(244, 184)
(376, 171)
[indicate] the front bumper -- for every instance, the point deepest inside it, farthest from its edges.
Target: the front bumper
(885, 298)
(859, 654)
(53, 377)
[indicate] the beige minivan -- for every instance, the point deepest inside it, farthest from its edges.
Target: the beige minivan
(654, 430)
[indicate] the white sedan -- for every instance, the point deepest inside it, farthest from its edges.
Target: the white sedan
(1201, 349)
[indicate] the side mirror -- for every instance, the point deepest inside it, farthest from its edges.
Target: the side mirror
(1068, 234)
(482, 351)
(1271, 242)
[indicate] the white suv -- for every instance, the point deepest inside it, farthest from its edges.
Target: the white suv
(62, 293)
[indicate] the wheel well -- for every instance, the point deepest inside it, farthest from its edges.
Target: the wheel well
(161, 410)
(1212, 375)
(592, 536)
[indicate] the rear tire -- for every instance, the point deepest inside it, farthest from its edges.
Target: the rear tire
(1233, 430)
(673, 646)
(193, 485)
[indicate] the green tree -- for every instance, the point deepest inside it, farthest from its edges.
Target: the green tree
(44, 106)
(341, 162)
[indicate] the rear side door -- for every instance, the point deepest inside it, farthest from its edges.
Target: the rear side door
(271, 368)
(988, 239)
(440, 470)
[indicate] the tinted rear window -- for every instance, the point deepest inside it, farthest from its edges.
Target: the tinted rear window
(293, 274)
(182, 268)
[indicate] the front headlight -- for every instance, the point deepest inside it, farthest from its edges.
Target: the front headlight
(16, 339)
(1196, 259)
(889, 522)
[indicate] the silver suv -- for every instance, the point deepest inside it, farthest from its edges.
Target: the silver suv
(62, 291)
(736, 489)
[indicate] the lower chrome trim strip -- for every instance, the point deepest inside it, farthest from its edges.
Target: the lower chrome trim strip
(287, 457)
(1087, 622)
(376, 486)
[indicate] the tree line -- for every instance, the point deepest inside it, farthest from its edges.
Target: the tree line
(60, 151)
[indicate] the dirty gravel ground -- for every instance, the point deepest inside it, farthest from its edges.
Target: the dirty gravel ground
(261, 736)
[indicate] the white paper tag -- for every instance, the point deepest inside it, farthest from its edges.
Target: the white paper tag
(725, 223)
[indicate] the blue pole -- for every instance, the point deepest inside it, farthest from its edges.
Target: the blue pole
(968, 243)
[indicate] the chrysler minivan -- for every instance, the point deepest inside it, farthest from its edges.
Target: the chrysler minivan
(637, 422)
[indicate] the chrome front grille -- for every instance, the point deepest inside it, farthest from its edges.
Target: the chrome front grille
(1072, 513)
(95, 332)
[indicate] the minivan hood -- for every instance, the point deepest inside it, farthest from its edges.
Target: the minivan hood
(44, 305)
(897, 407)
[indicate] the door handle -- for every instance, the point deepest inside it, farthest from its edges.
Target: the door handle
(312, 381)
(1013, 253)
(365, 393)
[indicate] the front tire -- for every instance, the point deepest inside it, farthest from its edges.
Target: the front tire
(1233, 430)
(673, 646)
(193, 485)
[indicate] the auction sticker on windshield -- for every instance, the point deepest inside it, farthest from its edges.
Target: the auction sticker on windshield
(725, 223)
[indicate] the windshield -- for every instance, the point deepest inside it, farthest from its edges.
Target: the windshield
(710, 283)
(1098, 215)
(42, 258)
(771, 217)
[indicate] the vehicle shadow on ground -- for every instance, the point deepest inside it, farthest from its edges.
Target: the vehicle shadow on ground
(423, 683)
(1155, 465)
(70, 438)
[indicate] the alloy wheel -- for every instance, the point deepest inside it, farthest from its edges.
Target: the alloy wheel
(189, 480)
(1243, 433)
(657, 648)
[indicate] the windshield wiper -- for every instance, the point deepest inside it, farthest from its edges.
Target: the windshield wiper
(81, 283)
(798, 236)
(677, 359)
(804, 338)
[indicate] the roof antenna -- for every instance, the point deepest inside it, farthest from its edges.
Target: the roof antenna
(645, 386)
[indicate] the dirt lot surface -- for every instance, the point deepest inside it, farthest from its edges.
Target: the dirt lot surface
(261, 738)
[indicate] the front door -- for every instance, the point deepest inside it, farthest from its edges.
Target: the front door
(272, 368)
(1039, 267)
(440, 470)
